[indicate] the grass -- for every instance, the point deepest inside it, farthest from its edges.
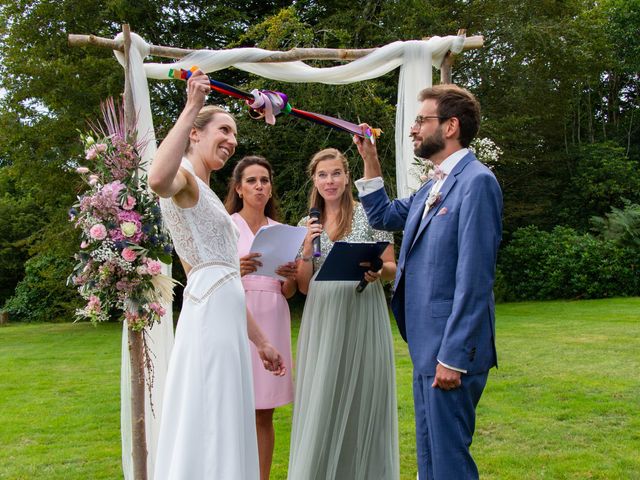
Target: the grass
(564, 404)
(59, 401)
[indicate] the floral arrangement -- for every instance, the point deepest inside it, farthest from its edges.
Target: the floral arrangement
(484, 149)
(119, 270)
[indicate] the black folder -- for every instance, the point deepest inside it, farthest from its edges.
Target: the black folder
(343, 261)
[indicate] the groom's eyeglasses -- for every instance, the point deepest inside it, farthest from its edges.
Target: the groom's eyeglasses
(420, 119)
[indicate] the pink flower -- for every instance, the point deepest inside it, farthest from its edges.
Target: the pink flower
(93, 179)
(98, 232)
(157, 309)
(82, 170)
(112, 190)
(136, 320)
(129, 203)
(94, 304)
(101, 147)
(130, 227)
(91, 153)
(105, 202)
(129, 255)
(154, 267)
(84, 244)
(142, 270)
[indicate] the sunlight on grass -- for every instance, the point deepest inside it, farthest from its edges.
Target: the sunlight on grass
(564, 403)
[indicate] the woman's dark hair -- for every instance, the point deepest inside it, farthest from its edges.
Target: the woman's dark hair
(233, 203)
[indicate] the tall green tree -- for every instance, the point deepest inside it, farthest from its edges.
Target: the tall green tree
(50, 90)
(558, 83)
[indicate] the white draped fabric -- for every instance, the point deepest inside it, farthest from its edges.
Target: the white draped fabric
(160, 341)
(160, 337)
(415, 58)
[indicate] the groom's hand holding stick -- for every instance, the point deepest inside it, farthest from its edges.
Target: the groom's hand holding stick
(369, 154)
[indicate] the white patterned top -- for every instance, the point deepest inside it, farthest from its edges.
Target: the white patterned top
(205, 232)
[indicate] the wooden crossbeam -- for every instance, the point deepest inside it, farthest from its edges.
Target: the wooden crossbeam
(294, 54)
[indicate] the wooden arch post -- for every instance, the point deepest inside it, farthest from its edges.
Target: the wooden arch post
(446, 69)
(136, 340)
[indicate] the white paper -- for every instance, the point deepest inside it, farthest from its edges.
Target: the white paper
(277, 244)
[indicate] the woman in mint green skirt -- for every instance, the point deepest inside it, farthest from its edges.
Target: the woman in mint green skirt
(345, 422)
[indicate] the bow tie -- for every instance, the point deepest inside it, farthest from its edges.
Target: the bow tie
(436, 173)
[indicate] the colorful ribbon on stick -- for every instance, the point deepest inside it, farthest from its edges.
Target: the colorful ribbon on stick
(269, 104)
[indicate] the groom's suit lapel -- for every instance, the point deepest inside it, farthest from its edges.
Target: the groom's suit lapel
(449, 182)
(413, 221)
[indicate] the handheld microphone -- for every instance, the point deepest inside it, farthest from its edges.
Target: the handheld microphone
(376, 264)
(315, 214)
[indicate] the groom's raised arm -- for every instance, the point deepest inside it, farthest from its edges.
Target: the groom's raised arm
(382, 213)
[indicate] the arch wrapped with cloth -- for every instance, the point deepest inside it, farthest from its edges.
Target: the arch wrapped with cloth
(415, 58)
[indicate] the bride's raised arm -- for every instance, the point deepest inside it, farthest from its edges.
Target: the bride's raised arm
(165, 177)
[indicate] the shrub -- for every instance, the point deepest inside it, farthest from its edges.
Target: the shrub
(603, 177)
(538, 265)
(620, 225)
(42, 295)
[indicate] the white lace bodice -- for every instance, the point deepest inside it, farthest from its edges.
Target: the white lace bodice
(202, 233)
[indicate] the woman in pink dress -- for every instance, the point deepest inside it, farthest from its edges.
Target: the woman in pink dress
(252, 206)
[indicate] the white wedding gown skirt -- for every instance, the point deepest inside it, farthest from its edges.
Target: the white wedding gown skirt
(207, 426)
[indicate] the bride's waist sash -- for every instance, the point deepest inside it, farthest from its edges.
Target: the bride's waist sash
(206, 278)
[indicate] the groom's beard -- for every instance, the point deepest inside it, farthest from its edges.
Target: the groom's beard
(430, 145)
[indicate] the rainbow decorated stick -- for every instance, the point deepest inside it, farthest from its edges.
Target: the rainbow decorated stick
(269, 104)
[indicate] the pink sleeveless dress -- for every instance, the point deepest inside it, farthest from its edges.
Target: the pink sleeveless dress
(270, 310)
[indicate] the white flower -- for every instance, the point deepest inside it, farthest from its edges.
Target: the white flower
(486, 151)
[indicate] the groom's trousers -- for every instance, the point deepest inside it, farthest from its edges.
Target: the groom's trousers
(445, 422)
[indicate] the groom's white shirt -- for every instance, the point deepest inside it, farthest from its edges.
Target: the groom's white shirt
(447, 167)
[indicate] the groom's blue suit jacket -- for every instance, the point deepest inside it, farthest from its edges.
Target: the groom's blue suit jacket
(443, 296)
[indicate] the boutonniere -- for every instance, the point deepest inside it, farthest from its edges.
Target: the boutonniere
(433, 199)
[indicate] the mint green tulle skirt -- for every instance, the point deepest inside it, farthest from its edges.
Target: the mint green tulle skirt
(345, 423)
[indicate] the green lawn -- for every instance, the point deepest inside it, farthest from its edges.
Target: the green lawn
(564, 404)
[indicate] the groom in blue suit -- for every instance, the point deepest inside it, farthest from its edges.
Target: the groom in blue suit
(443, 295)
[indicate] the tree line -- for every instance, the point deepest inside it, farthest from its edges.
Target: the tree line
(557, 81)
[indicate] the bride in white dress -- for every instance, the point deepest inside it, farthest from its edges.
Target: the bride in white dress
(208, 418)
